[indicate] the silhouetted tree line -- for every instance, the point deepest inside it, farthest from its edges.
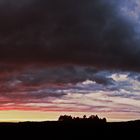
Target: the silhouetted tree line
(93, 118)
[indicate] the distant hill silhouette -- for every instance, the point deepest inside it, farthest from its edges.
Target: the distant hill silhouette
(73, 127)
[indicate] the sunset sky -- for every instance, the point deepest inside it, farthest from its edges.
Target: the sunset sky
(71, 57)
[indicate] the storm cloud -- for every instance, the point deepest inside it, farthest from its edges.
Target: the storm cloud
(92, 32)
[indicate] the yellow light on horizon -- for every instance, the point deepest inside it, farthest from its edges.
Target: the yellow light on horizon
(21, 116)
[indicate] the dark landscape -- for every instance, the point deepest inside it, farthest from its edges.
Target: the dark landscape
(69, 128)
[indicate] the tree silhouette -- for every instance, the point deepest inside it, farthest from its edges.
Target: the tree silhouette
(65, 118)
(84, 117)
(92, 118)
(104, 120)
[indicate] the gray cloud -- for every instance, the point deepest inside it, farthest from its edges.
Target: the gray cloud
(58, 81)
(61, 75)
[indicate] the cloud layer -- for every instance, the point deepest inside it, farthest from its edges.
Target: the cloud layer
(81, 89)
(96, 32)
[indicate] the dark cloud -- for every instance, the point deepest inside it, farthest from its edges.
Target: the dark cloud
(39, 83)
(59, 75)
(84, 32)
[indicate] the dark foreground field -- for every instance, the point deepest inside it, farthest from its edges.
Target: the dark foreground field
(72, 129)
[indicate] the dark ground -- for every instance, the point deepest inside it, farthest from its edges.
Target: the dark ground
(71, 130)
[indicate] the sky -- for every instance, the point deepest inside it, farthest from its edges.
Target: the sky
(69, 57)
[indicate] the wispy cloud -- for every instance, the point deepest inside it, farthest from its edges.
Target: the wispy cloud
(79, 89)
